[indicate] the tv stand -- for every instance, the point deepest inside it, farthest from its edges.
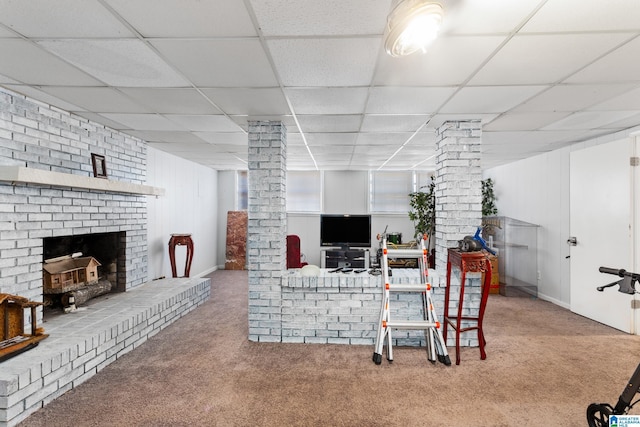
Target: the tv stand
(344, 257)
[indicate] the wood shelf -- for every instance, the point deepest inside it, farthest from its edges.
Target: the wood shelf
(21, 174)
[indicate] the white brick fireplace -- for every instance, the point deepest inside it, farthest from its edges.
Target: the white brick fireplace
(37, 136)
(47, 190)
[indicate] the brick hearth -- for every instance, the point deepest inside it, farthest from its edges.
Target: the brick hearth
(81, 344)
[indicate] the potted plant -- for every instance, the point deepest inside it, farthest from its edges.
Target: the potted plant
(488, 198)
(423, 210)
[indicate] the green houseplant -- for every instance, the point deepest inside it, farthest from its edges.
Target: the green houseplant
(423, 209)
(489, 207)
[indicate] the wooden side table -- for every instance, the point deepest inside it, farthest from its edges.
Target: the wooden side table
(180, 240)
(467, 262)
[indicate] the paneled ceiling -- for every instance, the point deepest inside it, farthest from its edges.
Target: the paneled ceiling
(187, 75)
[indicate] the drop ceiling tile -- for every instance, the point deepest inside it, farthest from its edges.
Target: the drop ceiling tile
(96, 99)
(331, 139)
(629, 100)
(204, 123)
(330, 123)
(408, 156)
(299, 151)
(427, 161)
(626, 123)
(526, 59)
(223, 162)
(393, 123)
(35, 93)
(328, 100)
(7, 80)
(380, 151)
(437, 66)
(393, 140)
(166, 136)
(620, 66)
(571, 97)
(200, 148)
(404, 163)
(300, 162)
(334, 165)
(229, 138)
(407, 100)
(222, 147)
(490, 99)
(219, 63)
(65, 19)
(497, 16)
(576, 136)
(524, 121)
(325, 62)
(172, 100)
(589, 120)
(143, 122)
(334, 151)
(97, 118)
(327, 17)
(5, 32)
(294, 139)
(577, 15)
(437, 120)
(177, 18)
(522, 141)
(38, 67)
(250, 101)
(426, 137)
(288, 121)
(125, 62)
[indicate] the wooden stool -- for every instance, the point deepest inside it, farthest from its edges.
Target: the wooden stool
(467, 262)
(179, 240)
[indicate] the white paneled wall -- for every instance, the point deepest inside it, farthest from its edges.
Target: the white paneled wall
(188, 206)
(227, 201)
(536, 190)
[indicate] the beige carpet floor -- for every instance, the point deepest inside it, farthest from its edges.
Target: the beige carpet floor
(544, 366)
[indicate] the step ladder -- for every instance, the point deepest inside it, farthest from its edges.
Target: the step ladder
(432, 327)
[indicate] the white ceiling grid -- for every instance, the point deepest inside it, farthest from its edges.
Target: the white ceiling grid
(188, 75)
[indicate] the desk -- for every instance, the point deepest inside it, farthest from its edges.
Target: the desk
(467, 262)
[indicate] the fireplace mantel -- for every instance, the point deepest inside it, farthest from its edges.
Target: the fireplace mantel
(21, 174)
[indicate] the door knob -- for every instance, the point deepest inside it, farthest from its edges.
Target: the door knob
(572, 241)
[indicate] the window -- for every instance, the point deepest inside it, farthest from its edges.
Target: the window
(422, 181)
(304, 190)
(389, 191)
(242, 183)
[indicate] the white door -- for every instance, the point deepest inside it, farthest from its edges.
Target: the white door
(600, 220)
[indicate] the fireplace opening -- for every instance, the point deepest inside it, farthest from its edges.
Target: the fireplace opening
(78, 268)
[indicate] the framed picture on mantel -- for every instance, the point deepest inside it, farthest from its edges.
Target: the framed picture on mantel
(99, 166)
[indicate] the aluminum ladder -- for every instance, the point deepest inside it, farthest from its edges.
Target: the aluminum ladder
(436, 345)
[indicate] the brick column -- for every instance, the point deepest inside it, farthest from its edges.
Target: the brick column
(458, 185)
(267, 228)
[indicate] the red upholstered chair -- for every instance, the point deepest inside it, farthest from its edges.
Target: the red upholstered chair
(293, 252)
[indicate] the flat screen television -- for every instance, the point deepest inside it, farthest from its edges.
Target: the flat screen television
(345, 231)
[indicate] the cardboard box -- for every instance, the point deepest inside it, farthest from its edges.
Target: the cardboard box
(495, 275)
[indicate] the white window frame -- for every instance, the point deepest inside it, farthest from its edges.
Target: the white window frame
(304, 191)
(242, 190)
(383, 201)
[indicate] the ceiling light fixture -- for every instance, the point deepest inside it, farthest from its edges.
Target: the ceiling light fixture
(412, 25)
